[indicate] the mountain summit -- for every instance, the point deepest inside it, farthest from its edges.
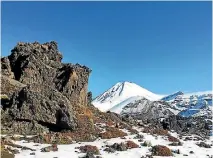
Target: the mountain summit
(122, 92)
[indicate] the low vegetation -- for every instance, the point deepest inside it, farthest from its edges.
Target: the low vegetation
(160, 150)
(112, 132)
(173, 139)
(131, 144)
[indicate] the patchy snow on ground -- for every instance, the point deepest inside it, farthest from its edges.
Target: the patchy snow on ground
(69, 151)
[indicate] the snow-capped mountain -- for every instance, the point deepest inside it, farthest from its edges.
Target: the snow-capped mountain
(120, 95)
(118, 98)
(191, 104)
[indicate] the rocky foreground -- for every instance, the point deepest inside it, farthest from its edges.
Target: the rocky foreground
(49, 100)
(147, 143)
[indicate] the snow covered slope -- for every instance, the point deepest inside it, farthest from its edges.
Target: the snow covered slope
(122, 92)
(145, 109)
(172, 96)
(119, 107)
(191, 104)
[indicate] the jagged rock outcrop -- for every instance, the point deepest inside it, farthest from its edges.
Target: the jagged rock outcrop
(42, 90)
(41, 63)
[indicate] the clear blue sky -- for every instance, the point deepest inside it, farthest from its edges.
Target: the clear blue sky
(161, 46)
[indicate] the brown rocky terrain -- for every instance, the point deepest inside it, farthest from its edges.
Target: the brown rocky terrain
(42, 95)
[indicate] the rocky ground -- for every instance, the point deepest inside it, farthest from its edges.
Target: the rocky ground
(156, 142)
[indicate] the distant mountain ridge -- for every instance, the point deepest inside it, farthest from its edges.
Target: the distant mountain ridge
(172, 96)
(124, 94)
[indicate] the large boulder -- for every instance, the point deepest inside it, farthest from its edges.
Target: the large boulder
(42, 91)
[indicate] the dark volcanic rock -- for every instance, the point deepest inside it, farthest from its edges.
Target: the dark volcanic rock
(89, 97)
(109, 150)
(176, 144)
(119, 147)
(204, 145)
(128, 118)
(41, 63)
(193, 125)
(50, 148)
(5, 67)
(139, 136)
(89, 155)
(72, 81)
(89, 149)
(43, 105)
(183, 126)
(42, 91)
(9, 85)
